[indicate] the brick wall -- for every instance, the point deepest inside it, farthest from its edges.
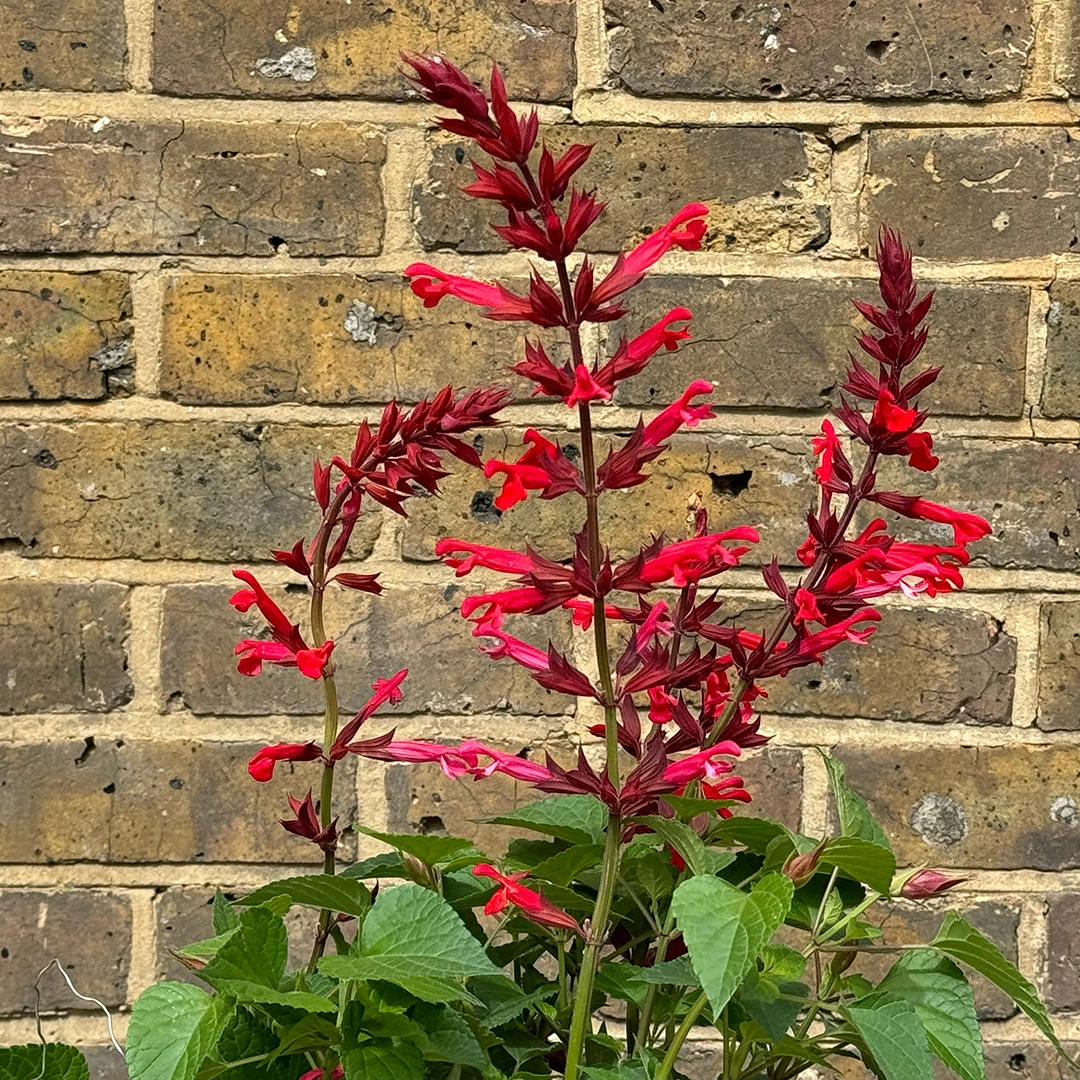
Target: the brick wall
(204, 210)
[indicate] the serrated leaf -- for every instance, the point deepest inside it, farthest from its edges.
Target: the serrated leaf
(649, 869)
(49, 1061)
(960, 940)
(577, 819)
(382, 1059)
(446, 1036)
(894, 1035)
(855, 817)
(225, 916)
(865, 861)
(173, 1027)
(677, 972)
(943, 1000)
(388, 864)
(561, 869)
(768, 1002)
(725, 929)
(316, 890)
(782, 961)
(754, 834)
(209, 946)
(430, 850)
(680, 836)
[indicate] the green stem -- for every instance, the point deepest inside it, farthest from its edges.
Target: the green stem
(855, 912)
(680, 1036)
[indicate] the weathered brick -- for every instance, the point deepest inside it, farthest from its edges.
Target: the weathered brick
(89, 932)
(324, 339)
(954, 667)
(418, 628)
(64, 647)
(325, 50)
(198, 187)
(992, 807)
(130, 802)
(975, 193)
(911, 925)
(751, 480)
(767, 188)
(1059, 666)
(1034, 1060)
(105, 1063)
(64, 335)
(1061, 379)
(774, 777)
(1063, 952)
(63, 45)
(770, 343)
(966, 49)
(164, 490)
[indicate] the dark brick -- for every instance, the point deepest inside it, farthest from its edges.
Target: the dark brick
(820, 49)
(200, 187)
(1063, 952)
(767, 188)
(1035, 1060)
(63, 45)
(88, 932)
(993, 808)
(774, 777)
(114, 801)
(975, 193)
(418, 628)
(64, 335)
(1059, 666)
(105, 1063)
(1061, 380)
(335, 51)
(164, 490)
(769, 343)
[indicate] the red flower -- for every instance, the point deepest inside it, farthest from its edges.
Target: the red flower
(661, 705)
(586, 388)
(505, 562)
(703, 765)
(688, 561)
(462, 760)
(890, 417)
(967, 528)
(305, 823)
(806, 608)
(432, 284)
(261, 766)
(534, 905)
(678, 413)
(827, 446)
(526, 474)
(921, 445)
(926, 883)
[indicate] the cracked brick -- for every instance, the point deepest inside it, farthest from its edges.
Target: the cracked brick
(201, 187)
(64, 336)
(354, 51)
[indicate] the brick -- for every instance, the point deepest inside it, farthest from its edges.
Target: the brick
(767, 188)
(975, 193)
(993, 808)
(1035, 1060)
(418, 628)
(63, 45)
(185, 915)
(774, 777)
(872, 50)
(120, 801)
(324, 50)
(954, 666)
(769, 343)
(1059, 666)
(105, 1063)
(64, 335)
(64, 647)
(322, 339)
(1063, 952)
(161, 490)
(195, 187)
(1061, 379)
(89, 932)
(760, 481)
(911, 925)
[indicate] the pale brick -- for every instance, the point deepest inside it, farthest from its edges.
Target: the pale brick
(1063, 952)
(1059, 666)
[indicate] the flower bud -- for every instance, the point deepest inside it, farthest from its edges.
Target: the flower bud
(801, 868)
(926, 883)
(842, 960)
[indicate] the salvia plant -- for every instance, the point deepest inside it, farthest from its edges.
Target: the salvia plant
(646, 904)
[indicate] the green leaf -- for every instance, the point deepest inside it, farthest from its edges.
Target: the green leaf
(649, 869)
(617, 980)
(677, 972)
(388, 864)
(577, 819)
(225, 916)
(382, 1059)
(50, 1061)
(783, 962)
(446, 1036)
(863, 860)
(895, 1037)
(247, 1035)
(725, 929)
(943, 1000)
(855, 817)
(754, 834)
(768, 1002)
(561, 869)
(960, 940)
(313, 1032)
(698, 858)
(173, 1027)
(430, 850)
(210, 946)
(316, 890)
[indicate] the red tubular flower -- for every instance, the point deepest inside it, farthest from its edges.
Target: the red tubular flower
(633, 357)
(432, 284)
(261, 766)
(509, 602)
(890, 417)
(704, 765)
(462, 760)
(924, 884)
(967, 528)
(586, 388)
(505, 562)
(529, 473)
(678, 413)
(806, 608)
(688, 561)
(534, 905)
(921, 445)
(661, 705)
(320, 1074)
(828, 448)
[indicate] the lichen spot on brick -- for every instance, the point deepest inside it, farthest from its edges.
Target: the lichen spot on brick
(1064, 811)
(297, 64)
(939, 819)
(360, 322)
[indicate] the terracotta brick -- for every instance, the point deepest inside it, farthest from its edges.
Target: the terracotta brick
(1059, 666)
(1063, 952)
(156, 490)
(89, 932)
(767, 188)
(992, 807)
(118, 801)
(200, 187)
(1061, 379)
(967, 193)
(63, 45)
(64, 335)
(870, 50)
(781, 344)
(324, 50)
(64, 647)
(418, 628)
